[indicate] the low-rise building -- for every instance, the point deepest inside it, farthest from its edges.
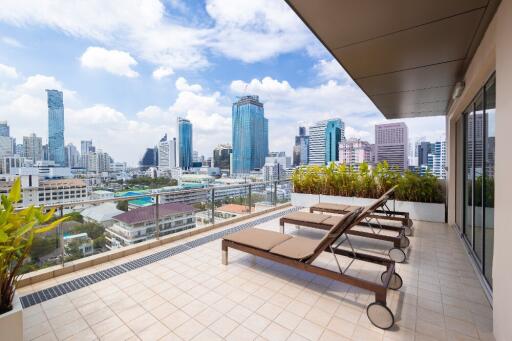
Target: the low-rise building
(79, 243)
(102, 214)
(139, 224)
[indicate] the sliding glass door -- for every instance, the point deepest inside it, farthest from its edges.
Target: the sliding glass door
(477, 172)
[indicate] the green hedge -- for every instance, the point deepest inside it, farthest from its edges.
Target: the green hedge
(367, 182)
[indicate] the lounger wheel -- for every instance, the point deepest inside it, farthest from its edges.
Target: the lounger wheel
(409, 223)
(396, 254)
(408, 231)
(380, 315)
(395, 282)
(404, 242)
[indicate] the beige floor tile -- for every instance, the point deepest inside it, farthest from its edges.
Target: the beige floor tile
(208, 316)
(288, 320)
(207, 335)
(318, 316)
(105, 326)
(241, 334)
(275, 332)
(309, 330)
(118, 334)
(329, 335)
(239, 313)
(46, 337)
(341, 327)
(189, 329)
(223, 326)
(70, 329)
(154, 332)
(256, 323)
(362, 333)
(269, 310)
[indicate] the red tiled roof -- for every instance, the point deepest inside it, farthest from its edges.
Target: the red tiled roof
(143, 214)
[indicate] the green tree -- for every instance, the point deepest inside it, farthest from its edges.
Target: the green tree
(122, 205)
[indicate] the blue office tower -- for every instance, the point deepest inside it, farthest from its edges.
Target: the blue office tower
(184, 143)
(334, 134)
(250, 135)
(56, 127)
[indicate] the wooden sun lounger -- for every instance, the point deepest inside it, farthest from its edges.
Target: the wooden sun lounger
(325, 222)
(300, 253)
(381, 213)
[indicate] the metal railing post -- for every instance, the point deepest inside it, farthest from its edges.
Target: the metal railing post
(213, 206)
(249, 202)
(61, 236)
(275, 193)
(157, 217)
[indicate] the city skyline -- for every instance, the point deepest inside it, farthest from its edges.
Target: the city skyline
(114, 90)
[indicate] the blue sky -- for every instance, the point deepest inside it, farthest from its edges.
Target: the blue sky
(129, 68)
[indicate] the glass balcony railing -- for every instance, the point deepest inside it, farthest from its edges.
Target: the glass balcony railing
(101, 225)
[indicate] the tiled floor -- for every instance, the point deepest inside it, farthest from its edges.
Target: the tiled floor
(192, 296)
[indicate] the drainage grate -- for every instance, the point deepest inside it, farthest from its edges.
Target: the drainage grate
(81, 282)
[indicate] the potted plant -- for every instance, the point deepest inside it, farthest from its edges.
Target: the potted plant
(18, 228)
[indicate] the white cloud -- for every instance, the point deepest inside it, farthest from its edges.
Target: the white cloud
(8, 71)
(182, 85)
(331, 70)
(250, 31)
(11, 42)
(162, 72)
(116, 62)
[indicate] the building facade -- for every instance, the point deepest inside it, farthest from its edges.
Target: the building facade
(166, 153)
(56, 127)
(139, 224)
(250, 135)
(222, 156)
(391, 145)
(324, 137)
(150, 158)
(72, 156)
(33, 147)
(184, 143)
(301, 148)
(4, 129)
(353, 152)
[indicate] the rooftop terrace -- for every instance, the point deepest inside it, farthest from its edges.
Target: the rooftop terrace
(181, 291)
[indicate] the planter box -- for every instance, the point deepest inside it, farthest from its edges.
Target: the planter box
(417, 210)
(11, 323)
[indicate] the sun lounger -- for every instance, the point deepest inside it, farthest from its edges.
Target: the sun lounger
(300, 253)
(381, 214)
(325, 222)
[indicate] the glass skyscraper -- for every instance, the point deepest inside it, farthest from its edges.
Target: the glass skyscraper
(250, 134)
(56, 127)
(4, 129)
(324, 139)
(184, 143)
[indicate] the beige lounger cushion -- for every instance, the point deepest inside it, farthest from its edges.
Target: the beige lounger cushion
(333, 220)
(258, 238)
(308, 217)
(296, 247)
(330, 206)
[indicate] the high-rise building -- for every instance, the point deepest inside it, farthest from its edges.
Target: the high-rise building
(423, 148)
(391, 142)
(166, 153)
(99, 162)
(72, 156)
(301, 148)
(150, 158)
(5, 146)
(250, 134)
(4, 129)
(324, 137)
(354, 151)
(184, 146)
(86, 147)
(221, 156)
(439, 159)
(33, 147)
(56, 127)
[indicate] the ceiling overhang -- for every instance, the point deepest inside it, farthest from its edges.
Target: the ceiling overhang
(406, 55)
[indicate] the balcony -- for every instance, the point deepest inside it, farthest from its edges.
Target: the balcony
(181, 291)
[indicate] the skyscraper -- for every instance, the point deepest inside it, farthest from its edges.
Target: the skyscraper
(250, 134)
(4, 129)
(150, 158)
(56, 127)
(72, 156)
(184, 143)
(167, 153)
(423, 148)
(353, 152)
(221, 156)
(33, 147)
(86, 147)
(324, 137)
(301, 148)
(391, 142)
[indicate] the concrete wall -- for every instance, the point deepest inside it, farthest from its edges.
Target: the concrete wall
(494, 53)
(502, 269)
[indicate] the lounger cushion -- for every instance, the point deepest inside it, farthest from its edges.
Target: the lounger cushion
(333, 220)
(296, 247)
(307, 217)
(258, 238)
(330, 206)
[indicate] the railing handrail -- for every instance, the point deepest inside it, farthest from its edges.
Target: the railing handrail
(157, 194)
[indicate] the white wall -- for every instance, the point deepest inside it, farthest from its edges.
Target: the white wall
(502, 267)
